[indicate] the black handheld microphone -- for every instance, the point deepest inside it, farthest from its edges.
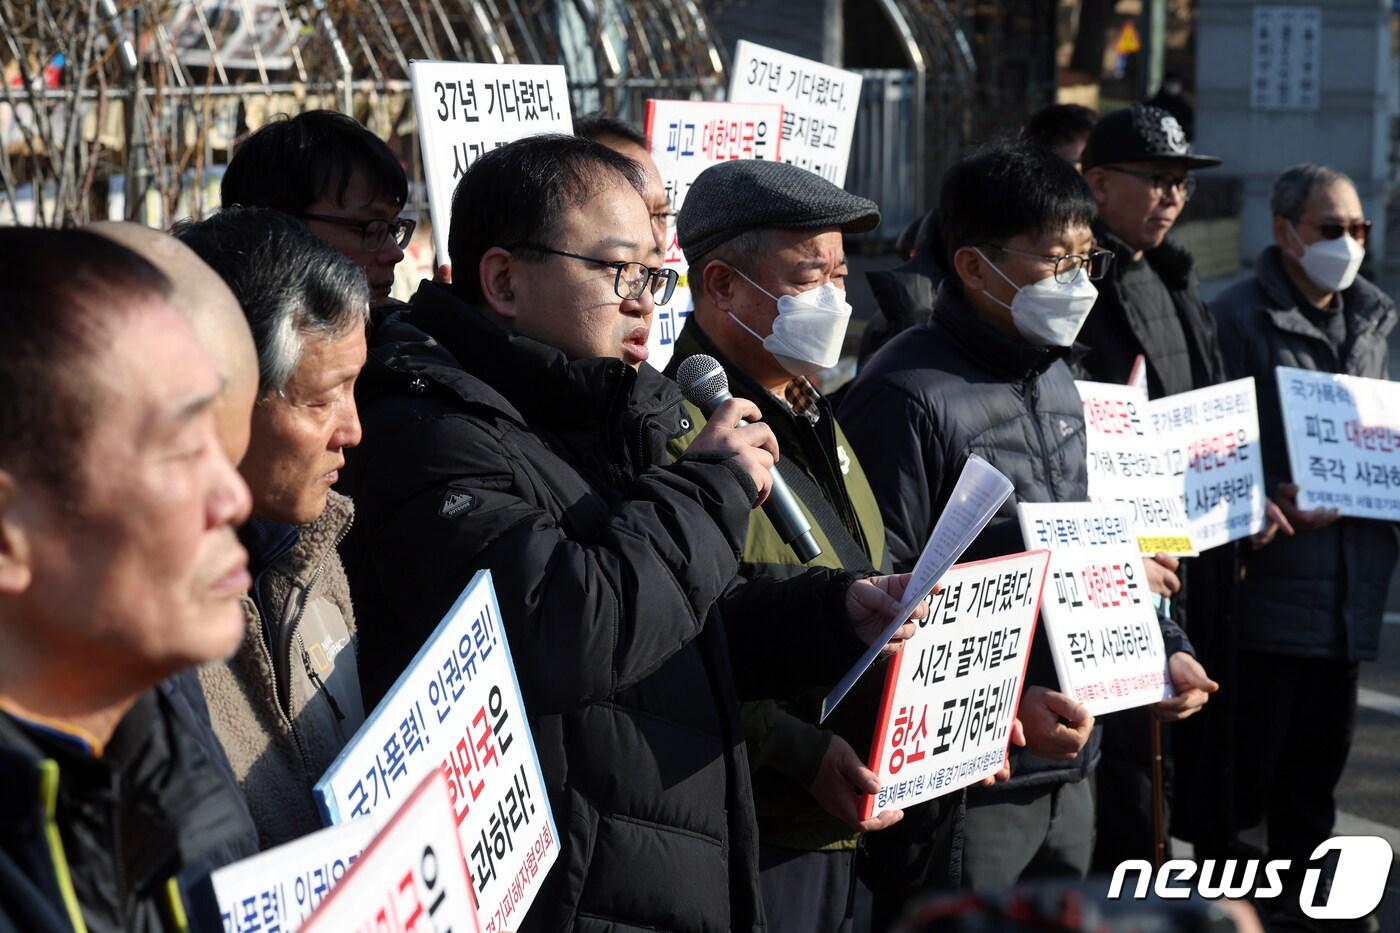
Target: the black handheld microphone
(706, 386)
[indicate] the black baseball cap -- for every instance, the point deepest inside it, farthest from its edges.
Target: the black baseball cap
(1141, 133)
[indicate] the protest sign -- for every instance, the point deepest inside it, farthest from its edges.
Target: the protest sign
(979, 492)
(686, 137)
(966, 665)
(1343, 435)
(466, 109)
(457, 709)
(280, 888)
(1128, 464)
(1211, 440)
(1099, 620)
(412, 877)
(819, 105)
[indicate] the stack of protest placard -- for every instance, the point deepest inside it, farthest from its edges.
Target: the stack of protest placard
(412, 877)
(457, 710)
(466, 109)
(819, 105)
(685, 138)
(952, 690)
(1343, 435)
(1099, 619)
(1211, 441)
(280, 888)
(1128, 464)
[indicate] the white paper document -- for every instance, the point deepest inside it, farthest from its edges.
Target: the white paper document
(980, 491)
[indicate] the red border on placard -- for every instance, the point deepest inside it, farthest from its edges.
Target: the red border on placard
(434, 776)
(882, 719)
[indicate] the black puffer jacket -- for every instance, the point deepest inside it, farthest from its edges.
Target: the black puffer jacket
(954, 387)
(1320, 593)
(1115, 332)
(101, 838)
(484, 450)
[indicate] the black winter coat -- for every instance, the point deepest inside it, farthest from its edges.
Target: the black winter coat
(954, 387)
(1320, 593)
(153, 808)
(486, 450)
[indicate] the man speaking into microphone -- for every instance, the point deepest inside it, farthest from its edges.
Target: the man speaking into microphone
(768, 277)
(512, 423)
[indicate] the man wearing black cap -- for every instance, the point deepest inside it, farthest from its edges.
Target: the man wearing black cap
(1138, 164)
(768, 270)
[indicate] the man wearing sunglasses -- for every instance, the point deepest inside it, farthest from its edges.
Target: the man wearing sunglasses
(511, 422)
(1311, 605)
(1138, 163)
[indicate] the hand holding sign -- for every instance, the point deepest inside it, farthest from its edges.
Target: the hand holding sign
(841, 781)
(1056, 727)
(1193, 688)
(1286, 497)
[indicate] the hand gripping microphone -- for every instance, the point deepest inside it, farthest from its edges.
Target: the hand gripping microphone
(706, 386)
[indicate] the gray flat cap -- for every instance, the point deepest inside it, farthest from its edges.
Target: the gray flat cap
(735, 197)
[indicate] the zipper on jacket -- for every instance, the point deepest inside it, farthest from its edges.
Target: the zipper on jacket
(48, 803)
(1033, 396)
(291, 638)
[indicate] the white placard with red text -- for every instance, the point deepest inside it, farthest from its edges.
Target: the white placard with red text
(457, 709)
(466, 109)
(1211, 440)
(819, 105)
(1128, 464)
(411, 878)
(278, 889)
(1099, 617)
(952, 690)
(1343, 435)
(685, 138)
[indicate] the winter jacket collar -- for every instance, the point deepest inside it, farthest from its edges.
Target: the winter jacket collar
(996, 352)
(538, 380)
(1172, 263)
(1369, 314)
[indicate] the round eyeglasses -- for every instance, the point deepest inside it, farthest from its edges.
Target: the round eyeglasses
(1095, 263)
(374, 232)
(632, 278)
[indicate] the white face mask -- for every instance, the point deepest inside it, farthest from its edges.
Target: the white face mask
(809, 329)
(1331, 264)
(1047, 313)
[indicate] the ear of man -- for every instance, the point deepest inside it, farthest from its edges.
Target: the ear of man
(15, 569)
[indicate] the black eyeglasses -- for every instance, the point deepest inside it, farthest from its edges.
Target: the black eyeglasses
(632, 279)
(1095, 262)
(373, 233)
(1186, 184)
(1332, 230)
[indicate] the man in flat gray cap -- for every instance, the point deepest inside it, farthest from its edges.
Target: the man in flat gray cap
(767, 272)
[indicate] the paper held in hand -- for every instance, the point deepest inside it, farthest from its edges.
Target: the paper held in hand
(980, 491)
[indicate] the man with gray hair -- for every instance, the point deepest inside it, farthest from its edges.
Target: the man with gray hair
(286, 703)
(1310, 605)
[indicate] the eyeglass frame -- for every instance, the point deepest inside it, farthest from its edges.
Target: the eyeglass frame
(1340, 228)
(668, 277)
(1085, 261)
(408, 224)
(1160, 183)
